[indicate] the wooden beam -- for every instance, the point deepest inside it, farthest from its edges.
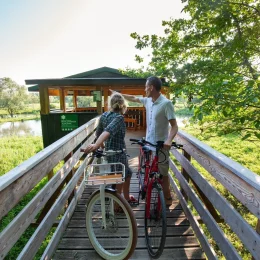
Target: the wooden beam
(105, 90)
(75, 94)
(62, 100)
(216, 232)
(99, 103)
(44, 100)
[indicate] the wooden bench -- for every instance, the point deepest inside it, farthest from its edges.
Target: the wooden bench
(131, 120)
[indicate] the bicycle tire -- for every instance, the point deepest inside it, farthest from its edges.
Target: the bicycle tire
(156, 226)
(119, 240)
(141, 174)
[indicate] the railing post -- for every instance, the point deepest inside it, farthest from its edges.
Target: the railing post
(257, 231)
(185, 174)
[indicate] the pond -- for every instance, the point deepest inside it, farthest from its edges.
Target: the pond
(33, 127)
(25, 128)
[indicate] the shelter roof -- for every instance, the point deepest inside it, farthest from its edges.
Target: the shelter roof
(101, 76)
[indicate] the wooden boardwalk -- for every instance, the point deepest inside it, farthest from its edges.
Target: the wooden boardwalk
(180, 242)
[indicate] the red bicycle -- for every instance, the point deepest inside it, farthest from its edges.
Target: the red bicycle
(150, 189)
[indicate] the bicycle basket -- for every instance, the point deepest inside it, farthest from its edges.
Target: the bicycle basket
(108, 173)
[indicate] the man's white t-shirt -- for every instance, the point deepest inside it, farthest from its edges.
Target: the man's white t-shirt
(158, 114)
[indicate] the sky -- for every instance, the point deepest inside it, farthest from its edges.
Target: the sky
(56, 38)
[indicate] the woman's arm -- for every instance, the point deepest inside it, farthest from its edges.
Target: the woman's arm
(101, 139)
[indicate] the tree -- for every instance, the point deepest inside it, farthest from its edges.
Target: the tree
(12, 96)
(214, 56)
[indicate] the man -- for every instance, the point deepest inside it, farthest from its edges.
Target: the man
(159, 115)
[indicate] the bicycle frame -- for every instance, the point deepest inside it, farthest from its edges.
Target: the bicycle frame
(151, 176)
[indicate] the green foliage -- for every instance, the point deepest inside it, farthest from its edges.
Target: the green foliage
(85, 101)
(213, 56)
(138, 73)
(13, 97)
(15, 150)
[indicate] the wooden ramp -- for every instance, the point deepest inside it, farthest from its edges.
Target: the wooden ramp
(180, 242)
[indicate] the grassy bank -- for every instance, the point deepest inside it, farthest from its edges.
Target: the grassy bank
(20, 118)
(31, 112)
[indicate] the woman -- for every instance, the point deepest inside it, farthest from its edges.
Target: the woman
(111, 130)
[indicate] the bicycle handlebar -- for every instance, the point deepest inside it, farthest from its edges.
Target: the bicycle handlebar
(143, 142)
(101, 153)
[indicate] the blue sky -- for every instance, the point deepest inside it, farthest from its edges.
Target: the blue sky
(57, 38)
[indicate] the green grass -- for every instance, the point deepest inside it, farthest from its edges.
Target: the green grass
(15, 150)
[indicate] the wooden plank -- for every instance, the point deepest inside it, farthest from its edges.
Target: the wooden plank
(19, 181)
(241, 182)
(174, 206)
(48, 252)
(10, 235)
(81, 223)
(225, 246)
(139, 254)
(194, 223)
(84, 243)
(245, 232)
(40, 233)
(171, 231)
(138, 214)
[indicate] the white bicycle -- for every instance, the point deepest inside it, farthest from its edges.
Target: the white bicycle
(112, 232)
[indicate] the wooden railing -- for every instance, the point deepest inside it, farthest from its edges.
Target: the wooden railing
(15, 184)
(211, 206)
(42, 211)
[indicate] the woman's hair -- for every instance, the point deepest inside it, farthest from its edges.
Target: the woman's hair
(118, 103)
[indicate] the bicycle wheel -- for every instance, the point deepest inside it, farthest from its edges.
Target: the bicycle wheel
(156, 226)
(141, 174)
(118, 240)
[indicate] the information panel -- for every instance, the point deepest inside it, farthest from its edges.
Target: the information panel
(69, 122)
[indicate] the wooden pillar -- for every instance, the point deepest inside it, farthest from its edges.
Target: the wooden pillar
(99, 103)
(45, 109)
(105, 99)
(257, 231)
(62, 100)
(44, 100)
(75, 94)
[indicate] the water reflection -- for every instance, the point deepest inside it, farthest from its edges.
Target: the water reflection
(33, 127)
(30, 127)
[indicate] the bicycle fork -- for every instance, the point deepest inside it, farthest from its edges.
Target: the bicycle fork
(103, 205)
(148, 201)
